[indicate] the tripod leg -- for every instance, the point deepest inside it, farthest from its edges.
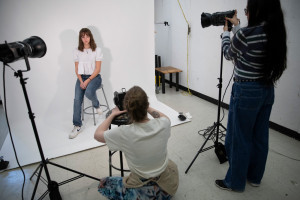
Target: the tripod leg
(223, 127)
(71, 170)
(200, 150)
(40, 165)
(222, 135)
(43, 195)
(37, 180)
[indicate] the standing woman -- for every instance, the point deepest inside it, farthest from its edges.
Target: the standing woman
(259, 54)
(88, 58)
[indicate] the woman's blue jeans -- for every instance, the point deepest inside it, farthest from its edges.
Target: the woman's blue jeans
(89, 92)
(247, 135)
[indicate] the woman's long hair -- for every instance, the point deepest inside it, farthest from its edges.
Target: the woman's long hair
(86, 31)
(136, 103)
(270, 13)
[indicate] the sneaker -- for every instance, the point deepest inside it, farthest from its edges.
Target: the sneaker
(99, 111)
(220, 184)
(254, 184)
(76, 130)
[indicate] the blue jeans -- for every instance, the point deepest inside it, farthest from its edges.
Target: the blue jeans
(89, 92)
(247, 138)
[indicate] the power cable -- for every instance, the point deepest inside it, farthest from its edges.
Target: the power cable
(223, 112)
(208, 129)
(295, 159)
(187, 42)
(9, 131)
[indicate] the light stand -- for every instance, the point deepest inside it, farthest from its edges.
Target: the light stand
(219, 147)
(53, 187)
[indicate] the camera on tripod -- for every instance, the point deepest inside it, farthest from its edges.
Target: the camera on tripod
(216, 19)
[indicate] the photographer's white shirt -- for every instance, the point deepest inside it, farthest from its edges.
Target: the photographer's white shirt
(143, 144)
(87, 60)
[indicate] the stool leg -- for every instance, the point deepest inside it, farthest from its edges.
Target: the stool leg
(177, 80)
(94, 116)
(109, 158)
(171, 80)
(82, 110)
(163, 82)
(157, 78)
(121, 164)
(105, 98)
(109, 162)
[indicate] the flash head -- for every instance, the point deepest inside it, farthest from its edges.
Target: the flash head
(33, 47)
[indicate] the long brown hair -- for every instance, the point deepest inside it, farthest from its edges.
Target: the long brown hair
(270, 12)
(86, 31)
(136, 103)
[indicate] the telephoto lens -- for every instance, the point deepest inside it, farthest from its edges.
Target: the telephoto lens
(216, 19)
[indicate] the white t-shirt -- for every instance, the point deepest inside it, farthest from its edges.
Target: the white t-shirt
(87, 60)
(143, 144)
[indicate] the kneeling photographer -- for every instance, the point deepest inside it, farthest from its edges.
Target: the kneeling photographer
(259, 55)
(144, 143)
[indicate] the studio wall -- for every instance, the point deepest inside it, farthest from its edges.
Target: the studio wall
(124, 30)
(205, 52)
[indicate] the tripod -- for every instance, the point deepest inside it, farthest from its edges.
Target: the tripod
(53, 187)
(219, 147)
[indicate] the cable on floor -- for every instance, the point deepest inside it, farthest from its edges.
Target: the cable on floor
(209, 129)
(276, 152)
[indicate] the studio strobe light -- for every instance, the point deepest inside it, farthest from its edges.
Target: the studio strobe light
(33, 47)
(215, 19)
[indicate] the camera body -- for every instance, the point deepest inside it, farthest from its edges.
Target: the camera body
(119, 99)
(216, 19)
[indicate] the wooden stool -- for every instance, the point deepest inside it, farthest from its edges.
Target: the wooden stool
(168, 70)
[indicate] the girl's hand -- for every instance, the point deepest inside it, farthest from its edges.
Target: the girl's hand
(234, 20)
(86, 82)
(83, 86)
(225, 28)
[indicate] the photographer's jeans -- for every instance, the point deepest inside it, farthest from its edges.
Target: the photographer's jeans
(89, 92)
(247, 135)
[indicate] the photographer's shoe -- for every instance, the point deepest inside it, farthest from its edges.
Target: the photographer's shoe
(3, 164)
(99, 111)
(220, 184)
(76, 130)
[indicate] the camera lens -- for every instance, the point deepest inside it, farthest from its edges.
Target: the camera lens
(205, 20)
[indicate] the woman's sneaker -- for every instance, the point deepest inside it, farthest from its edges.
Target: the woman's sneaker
(76, 130)
(99, 111)
(254, 184)
(220, 184)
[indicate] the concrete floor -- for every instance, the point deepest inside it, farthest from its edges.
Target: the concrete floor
(281, 179)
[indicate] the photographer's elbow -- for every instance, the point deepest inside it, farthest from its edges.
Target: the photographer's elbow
(99, 136)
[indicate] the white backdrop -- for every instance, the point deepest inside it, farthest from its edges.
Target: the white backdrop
(205, 51)
(123, 29)
(127, 40)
